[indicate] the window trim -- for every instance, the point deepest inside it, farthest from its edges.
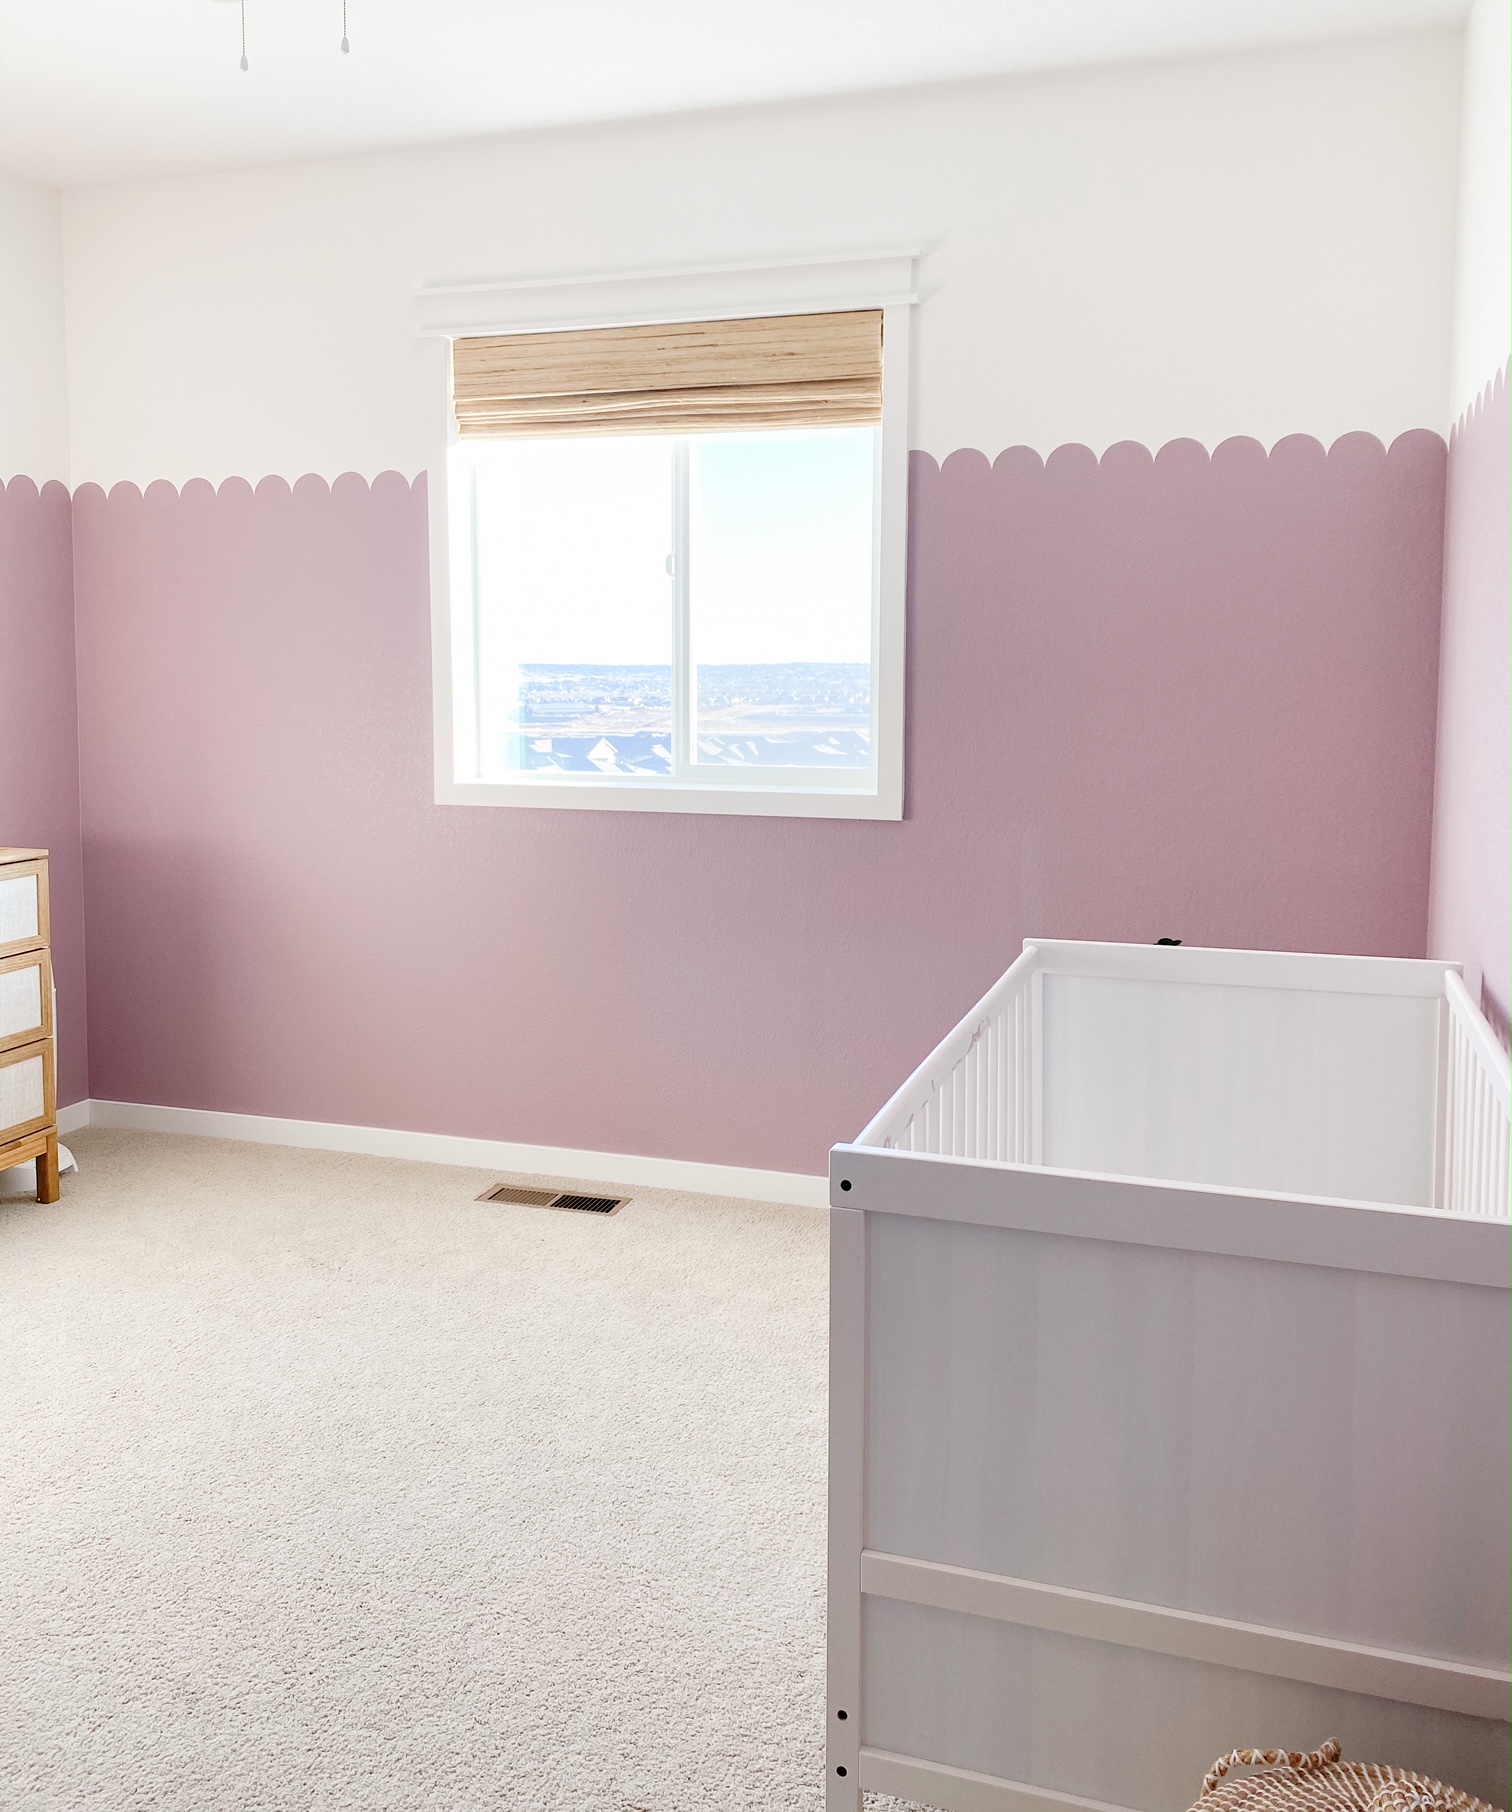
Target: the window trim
(882, 280)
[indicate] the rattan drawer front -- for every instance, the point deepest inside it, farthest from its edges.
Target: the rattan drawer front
(25, 998)
(27, 1090)
(23, 906)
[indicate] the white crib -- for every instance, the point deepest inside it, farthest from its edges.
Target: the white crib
(1169, 1385)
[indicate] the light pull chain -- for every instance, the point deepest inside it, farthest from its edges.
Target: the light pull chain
(346, 42)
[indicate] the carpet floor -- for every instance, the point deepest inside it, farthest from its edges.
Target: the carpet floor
(325, 1487)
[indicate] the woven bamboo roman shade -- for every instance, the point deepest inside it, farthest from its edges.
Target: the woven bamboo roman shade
(779, 371)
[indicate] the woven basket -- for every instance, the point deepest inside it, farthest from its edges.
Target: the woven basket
(1320, 1782)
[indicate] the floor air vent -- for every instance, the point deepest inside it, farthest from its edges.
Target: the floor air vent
(551, 1198)
(588, 1204)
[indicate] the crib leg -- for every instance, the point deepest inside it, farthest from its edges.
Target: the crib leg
(847, 1521)
(842, 1795)
(47, 1171)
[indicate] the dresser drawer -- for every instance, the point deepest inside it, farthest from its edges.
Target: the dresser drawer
(23, 906)
(25, 998)
(28, 1091)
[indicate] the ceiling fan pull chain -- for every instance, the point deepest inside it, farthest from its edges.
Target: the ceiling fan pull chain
(346, 42)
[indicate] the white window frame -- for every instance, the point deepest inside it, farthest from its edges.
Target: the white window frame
(882, 280)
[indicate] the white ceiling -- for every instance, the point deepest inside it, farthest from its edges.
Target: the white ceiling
(96, 90)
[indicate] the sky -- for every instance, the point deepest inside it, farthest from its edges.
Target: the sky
(574, 538)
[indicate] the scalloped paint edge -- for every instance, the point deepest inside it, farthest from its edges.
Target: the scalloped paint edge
(1122, 456)
(344, 481)
(1126, 456)
(38, 493)
(1490, 393)
(242, 490)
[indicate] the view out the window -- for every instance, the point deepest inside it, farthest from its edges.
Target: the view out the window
(682, 608)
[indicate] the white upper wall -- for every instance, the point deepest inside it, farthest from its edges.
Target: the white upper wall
(33, 363)
(1483, 287)
(1259, 244)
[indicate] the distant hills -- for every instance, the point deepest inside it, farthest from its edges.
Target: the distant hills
(618, 719)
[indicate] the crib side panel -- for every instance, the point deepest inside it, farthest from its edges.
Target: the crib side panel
(1312, 1452)
(1299, 1090)
(1310, 1448)
(1118, 1725)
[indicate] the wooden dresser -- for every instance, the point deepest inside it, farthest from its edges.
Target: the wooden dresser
(28, 1083)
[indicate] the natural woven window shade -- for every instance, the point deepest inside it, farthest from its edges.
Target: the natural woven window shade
(780, 371)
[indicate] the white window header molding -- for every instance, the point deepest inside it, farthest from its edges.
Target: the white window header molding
(707, 293)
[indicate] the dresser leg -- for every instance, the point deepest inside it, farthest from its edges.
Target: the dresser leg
(47, 1172)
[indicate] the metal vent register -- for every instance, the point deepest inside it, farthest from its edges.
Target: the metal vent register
(553, 1198)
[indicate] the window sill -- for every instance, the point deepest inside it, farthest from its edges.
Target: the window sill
(673, 796)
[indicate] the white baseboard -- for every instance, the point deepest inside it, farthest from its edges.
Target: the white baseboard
(445, 1148)
(73, 1117)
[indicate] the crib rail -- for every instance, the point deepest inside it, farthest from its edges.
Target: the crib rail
(974, 1096)
(1476, 1105)
(979, 1093)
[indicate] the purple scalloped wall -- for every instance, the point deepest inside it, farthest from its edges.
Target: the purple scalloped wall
(39, 735)
(1471, 900)
(1182, 696)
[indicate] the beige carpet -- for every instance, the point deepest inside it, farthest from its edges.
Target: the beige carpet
(323, 1485)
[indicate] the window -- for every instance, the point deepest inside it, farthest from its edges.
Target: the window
(691, 607)
(671, 581)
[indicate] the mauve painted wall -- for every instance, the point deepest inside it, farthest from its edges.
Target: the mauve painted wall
(39, 750)
(1471, 904)
(1182, 696)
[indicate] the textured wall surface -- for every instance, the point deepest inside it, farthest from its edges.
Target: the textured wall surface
(1184, 695)
(1471, 904)
(39, 756)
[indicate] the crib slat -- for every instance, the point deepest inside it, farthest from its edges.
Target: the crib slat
(1451, 1110)
(998, 1075)
(1477, 1141)
(1451, 1113)
(960, 1130)
(1483, 1136)
(1457, 1198)
(1018, 1072)
(962, 1147)
(1477, 1136)
(1488, 1143)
